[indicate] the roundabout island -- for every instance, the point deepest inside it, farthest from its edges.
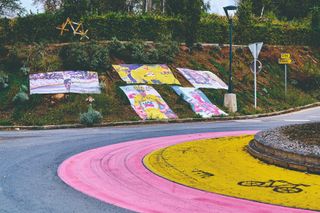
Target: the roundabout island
(294, 147)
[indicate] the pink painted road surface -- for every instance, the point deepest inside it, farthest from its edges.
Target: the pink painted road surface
(115, 174)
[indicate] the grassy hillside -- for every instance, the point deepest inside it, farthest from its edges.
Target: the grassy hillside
(304, 84)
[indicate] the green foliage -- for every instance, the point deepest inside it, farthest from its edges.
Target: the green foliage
(116, 48)
(239, 51)
(245, 20)
(315, 20)
(9, 7)
(215, 50)
(315, 25)
(90, 117)
(285, 9)
(178, 7)
(126, 27)
(167, 49)
(138, 51)
(89, 56)
(4, 80)
(191, 16)
(35, 28)
(39, 58)
(25, 70)
(12, 62)
(151, 27)
(3, 51)
(22, 96)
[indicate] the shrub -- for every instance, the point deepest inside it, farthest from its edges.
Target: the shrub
(4, 80)
(90, 56)
(25, 70)
(127, 27)
(40, 58)
(22, 95)
(3, 51)
(215, 50)
(315, 25)
(12, 62)
(116, 48)
(138, 51)
(91, 117)
(239, 51)
(168, 49)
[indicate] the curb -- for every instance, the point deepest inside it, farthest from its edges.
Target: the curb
(146, 122)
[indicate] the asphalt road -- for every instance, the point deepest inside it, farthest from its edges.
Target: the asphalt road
(29, 159)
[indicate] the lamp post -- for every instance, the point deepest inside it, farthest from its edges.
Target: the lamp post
(230, 99)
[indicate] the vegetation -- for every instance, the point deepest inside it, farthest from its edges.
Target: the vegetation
(304, 81)
(89, 56)
(9, 7)
(118, 32)
(22, 96)
(91, 117)
(4, 80)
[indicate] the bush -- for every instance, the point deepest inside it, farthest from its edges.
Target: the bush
(116, 48)
(315, 25)
(21, 96)
(139, 52)
(25, 70)
(91, 117)
(128, 27)
(4, 80)
(167, 49)
(90, 56)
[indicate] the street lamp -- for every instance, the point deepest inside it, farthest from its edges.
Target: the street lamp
(230, 99)
(230, 12)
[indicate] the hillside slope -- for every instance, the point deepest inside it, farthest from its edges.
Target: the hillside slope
(304, 86)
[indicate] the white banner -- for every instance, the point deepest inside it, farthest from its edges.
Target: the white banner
(64, 82)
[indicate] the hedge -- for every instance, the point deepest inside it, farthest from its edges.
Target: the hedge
(213, 29)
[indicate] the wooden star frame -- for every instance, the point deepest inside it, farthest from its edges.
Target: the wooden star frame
(77, 28)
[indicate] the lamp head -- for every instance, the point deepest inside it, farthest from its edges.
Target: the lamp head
(230, 11)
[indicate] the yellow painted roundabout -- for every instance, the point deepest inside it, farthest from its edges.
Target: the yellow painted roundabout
(222, 166)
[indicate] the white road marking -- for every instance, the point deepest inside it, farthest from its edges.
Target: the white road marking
(314, 116)
(291, 120)
(248, 121)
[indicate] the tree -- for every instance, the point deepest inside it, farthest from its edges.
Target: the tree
(191, 17)
(115, 6)
(75, 9)
(10, 7)
(285, 9)
(49, 5)
(315, 25)
(244, 20)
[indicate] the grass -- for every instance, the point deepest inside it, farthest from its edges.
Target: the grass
(112, 103)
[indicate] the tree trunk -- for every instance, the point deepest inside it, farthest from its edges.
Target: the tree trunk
(163, 5)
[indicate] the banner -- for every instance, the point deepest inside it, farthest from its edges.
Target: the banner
(147, 102)
(199, 102)
(146, 74)
(203, 79)
(64, 82)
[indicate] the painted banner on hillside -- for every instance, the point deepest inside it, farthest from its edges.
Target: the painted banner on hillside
(147, 102)
(203, 79)
(199, 102)
(146, 74)
(64, 82)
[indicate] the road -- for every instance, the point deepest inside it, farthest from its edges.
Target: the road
(29, 159)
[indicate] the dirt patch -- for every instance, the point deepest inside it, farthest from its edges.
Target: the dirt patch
(306, 133)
